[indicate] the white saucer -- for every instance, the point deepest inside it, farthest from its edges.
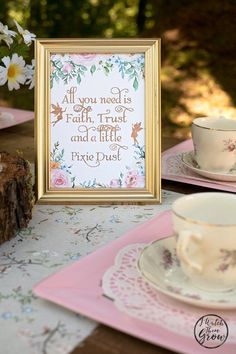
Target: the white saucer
(189, 161)
(159, 265)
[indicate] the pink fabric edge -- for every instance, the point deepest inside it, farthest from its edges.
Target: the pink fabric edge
(89, 301)
(184, 146)
(20, 115)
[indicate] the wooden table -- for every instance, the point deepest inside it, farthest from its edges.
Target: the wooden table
(104, 340)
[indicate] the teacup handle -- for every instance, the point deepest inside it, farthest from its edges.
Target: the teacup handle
(185, 237)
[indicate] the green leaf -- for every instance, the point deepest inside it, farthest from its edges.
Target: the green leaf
(135, 84)
(132, 76)
(93, 69)
(109, 65)
(129, 71)
(106, 70)
(58, 64)
(82, 67)
(60, 74)
(78, 79)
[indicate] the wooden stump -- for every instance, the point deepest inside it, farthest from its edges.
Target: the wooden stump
(16, 195)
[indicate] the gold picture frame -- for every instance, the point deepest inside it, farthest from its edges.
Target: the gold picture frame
(59, 62)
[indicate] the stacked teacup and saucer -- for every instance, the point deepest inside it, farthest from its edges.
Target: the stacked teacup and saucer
(197, 264)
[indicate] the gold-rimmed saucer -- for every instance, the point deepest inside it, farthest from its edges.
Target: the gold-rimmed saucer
(189, 161)
(159, 265)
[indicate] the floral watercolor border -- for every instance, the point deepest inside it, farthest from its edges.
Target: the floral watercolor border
(60, 172)
(131, 177)
(69, 66)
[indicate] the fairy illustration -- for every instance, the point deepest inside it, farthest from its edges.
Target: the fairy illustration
(135, 130)
(57, 111)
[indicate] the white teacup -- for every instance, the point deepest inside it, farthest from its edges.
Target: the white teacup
(214, 140)
(205, 224)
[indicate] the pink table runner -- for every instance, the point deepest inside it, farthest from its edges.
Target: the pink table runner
(11, 116)
(78, 287)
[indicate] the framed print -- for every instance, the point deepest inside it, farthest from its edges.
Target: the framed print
(98, 121)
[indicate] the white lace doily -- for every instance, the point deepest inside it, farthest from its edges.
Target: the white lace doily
(172, 165)
(133, 295)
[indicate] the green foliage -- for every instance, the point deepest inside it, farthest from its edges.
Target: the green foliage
(66, 69)
(18, 47)
(135, 84)
(93, 69)
(197, 38)
(78, 79)
(74, 18)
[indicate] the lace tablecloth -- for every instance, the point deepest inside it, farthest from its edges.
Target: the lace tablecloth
(55, 237)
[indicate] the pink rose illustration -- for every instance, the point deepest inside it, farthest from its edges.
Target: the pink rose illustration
(83, 59)
(134, 180)
(59, 178)
(115, 183)
(67, 68)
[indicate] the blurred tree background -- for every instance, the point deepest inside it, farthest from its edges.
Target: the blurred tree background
(198, 47)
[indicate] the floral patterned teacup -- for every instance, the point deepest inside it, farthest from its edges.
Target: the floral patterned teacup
(205, 225)
(214, 140)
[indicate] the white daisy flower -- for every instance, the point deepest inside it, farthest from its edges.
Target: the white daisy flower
(13, 72)
(27, 36)
(7, 39)
(29, 73)
(6, 31)
(6, 35)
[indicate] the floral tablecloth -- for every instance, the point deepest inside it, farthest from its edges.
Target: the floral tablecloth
(55, 237)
